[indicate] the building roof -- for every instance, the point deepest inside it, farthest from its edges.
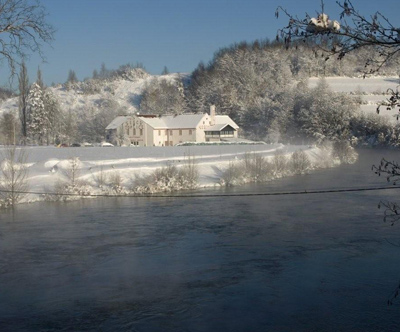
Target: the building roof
(225, 119)
(118, 121)
(218, 127)
(182, 121)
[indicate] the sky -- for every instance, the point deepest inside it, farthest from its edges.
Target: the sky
(157, 33)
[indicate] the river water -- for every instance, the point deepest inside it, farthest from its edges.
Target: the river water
(316, 262)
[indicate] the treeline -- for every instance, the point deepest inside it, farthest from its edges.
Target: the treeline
(261, 85)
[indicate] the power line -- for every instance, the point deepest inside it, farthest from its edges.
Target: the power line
(279, 193)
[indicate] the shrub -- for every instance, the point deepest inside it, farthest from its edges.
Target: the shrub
(169, 178)
(279, 164)
(299, 162)
(344, 152)
(13, 176)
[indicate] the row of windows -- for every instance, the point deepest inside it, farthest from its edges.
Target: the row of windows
(217, 133)
(171, 132)
(167, 131)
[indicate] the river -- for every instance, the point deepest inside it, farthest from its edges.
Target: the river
(314, 262)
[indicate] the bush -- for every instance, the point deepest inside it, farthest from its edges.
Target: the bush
(13, 176)
(169, 178)
(279, 165)
(344, 152)
(299, 162)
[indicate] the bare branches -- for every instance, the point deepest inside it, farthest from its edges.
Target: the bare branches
(23, 29)
(392, 102)
(389, 168)
(13, 175)
(352, 32)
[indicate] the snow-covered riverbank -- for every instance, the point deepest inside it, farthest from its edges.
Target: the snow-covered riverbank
(48, 166)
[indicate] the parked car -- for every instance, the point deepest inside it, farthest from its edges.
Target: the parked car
(75, 145)
(106, 144)
(87, 145)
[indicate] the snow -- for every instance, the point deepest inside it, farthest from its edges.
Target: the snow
(47, 165)
(126, 93)
(372, 90)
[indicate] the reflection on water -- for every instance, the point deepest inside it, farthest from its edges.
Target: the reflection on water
(293, 263)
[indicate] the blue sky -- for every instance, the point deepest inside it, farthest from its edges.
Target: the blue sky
(173, 33)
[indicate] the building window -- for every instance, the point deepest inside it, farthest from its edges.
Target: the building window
(180, 132)
(159, 133)
(170, 143)
(134, 131)
(141, 132)
(190, 131)
(171, 132)
(166, 131)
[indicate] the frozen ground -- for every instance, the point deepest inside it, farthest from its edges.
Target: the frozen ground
(47, 164)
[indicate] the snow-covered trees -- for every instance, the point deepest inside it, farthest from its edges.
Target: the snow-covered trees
(249, 82)
(43, 115)
(13, 175)
(325, 115)
(9, 128)
(94, 120)
(163, 97)
(37, 124)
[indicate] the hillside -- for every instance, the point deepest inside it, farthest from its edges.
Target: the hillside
(126, 92)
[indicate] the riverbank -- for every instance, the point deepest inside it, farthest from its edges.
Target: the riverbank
(116, 170)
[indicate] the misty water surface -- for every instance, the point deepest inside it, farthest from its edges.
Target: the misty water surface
(282, 263)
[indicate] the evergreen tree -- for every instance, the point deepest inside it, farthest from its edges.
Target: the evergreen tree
(38, 119)
(52, 111)
(72, 77)
(165, 71)
(95, 74)
(39, 79)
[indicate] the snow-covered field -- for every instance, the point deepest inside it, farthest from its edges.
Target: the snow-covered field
(47, 165)
(372, 90)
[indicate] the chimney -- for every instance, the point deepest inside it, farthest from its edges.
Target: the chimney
(212, 114)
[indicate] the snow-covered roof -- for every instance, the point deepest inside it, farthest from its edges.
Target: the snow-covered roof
(118, 121)
(218, 127)
(186, 121)
(173, 121)
(225, 119)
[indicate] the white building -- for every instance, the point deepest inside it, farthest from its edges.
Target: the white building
(169, 130)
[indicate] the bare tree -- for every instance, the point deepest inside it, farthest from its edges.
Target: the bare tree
(353, 31)
(8, 128)
(23, 29)
(72, 172)
(23, 83)
(13, 175)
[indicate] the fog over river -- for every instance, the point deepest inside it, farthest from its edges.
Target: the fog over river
(313, 262)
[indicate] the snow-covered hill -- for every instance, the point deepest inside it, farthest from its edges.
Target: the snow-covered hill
(126, 91)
